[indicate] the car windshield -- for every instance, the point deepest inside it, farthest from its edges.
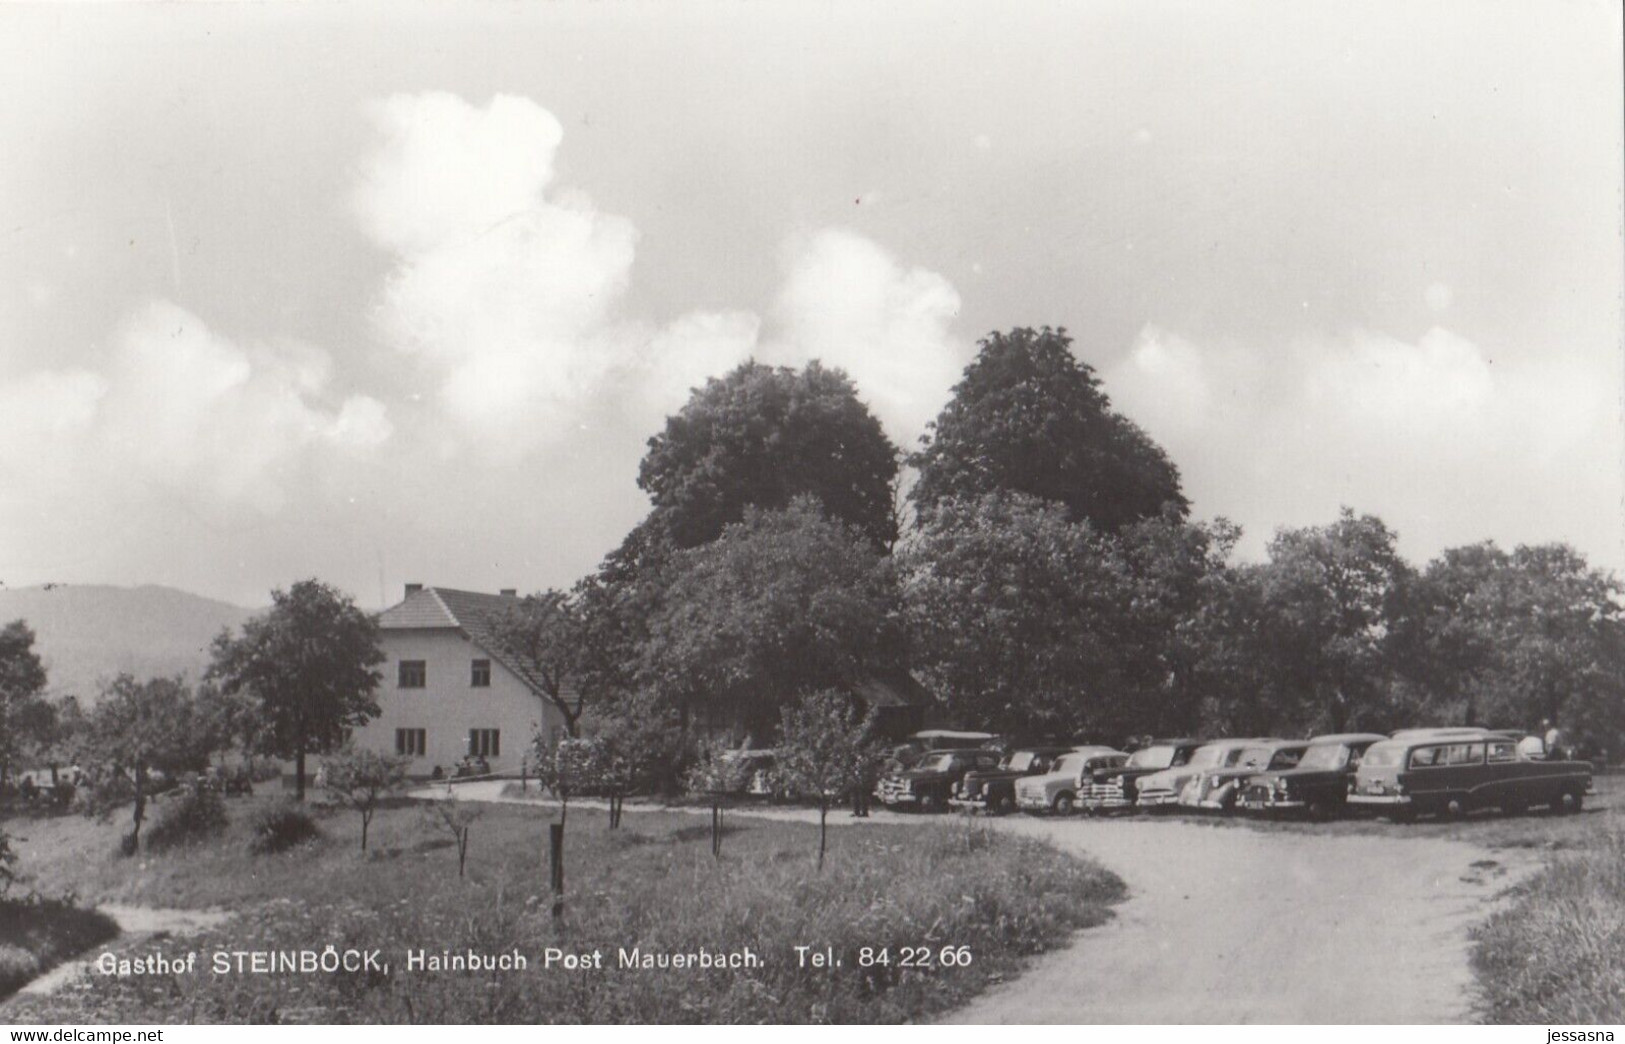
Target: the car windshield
(1152, 758)
(1020, 761)
(1324, 756)
(1253, 757)
(936, 763)
(1071, 763)
(1210, 757)
(1384, 755)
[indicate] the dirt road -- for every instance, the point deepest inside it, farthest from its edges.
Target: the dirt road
(1234, 925)
(1231, 925)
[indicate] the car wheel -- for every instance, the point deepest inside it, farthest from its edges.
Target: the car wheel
(1062, 805)
(1455, 807)
(930, 803)
(1006, 805)
(1571, 802)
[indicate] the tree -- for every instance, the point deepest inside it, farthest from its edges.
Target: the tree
(823, 752)
(458, 818)
(1333, 596)
(1028, 417)
(308, 663)
(362, 779)
(762, 436)
(572, 766)
(1172, 632)
(783, 602)
(550, 638)
(140, 727)
(24, 712)
(640, 744)
(1014, 617)
(1510, 639)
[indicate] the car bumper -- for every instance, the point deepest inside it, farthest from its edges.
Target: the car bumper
(1271, 804)
(1379, 799)
(978, 804)
(1157, 799)
(887, 796)
(1033, 804)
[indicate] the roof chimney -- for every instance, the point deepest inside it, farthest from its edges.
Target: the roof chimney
(412, 589)
(510, 592)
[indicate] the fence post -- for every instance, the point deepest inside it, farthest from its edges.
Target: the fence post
(555, 847)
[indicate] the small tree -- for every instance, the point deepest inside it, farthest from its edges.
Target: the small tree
(571, 767)
(308, 662)
(22, 683)
(457, 817)
(550, 638)
(718, 773)
(640, 744)
(139, 727)
(823, 753)
(361, 779)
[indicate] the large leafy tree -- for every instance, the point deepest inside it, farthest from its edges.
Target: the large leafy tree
(1029, 417)
(25, 716)
(1333, 597)
(1015, 617)
(138, 727)
(308, 662)
(761, 436)
(782, 603)
(1176, 625)
(1511, 638)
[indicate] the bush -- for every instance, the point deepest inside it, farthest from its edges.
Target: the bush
(38, 933)
(280, 827)
(196, 814)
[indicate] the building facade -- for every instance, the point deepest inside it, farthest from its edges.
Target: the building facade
(449, 692)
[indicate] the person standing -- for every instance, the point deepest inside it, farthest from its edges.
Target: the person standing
(1556, 742)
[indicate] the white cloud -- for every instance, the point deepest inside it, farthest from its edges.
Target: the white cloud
(505, 289)
(1433, 435)
(848, 302)
(176, 409)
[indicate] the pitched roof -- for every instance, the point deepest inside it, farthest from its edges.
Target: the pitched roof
(473, 613)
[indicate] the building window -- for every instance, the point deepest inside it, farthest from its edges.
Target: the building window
(412, 743)
(480, 677)
(485, 743)
(414, 674)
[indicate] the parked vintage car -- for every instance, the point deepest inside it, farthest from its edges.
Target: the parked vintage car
(928, 785)
(994, 790)
(1452, 775)
(1115, 788)
(1161, 789)
(1217, 789)
(1057, 790)
(1318, 784)
(907, 753)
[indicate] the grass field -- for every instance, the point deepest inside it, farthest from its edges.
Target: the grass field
(652, 884)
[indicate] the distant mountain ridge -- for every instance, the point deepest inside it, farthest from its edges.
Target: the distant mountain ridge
(87, 633)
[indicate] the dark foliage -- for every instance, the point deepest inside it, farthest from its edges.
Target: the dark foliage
(279, 827)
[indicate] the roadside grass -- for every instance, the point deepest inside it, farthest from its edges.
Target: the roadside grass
(37, 934)
(1556, 955)
(653, 884)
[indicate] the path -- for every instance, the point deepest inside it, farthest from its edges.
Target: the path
(1227, 925)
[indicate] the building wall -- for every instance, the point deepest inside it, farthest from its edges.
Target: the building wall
(448, 705)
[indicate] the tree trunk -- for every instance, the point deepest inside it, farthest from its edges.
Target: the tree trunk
(823, 831)
(462, 850)
(299, 773)
(564, 808)
(140, 803)
(366, 821)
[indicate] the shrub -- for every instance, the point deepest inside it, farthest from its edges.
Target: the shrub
(196, 814)
(37, 933)
(280, 827)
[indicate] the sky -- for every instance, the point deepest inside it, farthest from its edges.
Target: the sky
(397, 293)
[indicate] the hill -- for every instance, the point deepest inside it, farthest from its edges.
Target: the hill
(88, 633)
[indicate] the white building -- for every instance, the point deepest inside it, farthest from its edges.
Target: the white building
(449, 691)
